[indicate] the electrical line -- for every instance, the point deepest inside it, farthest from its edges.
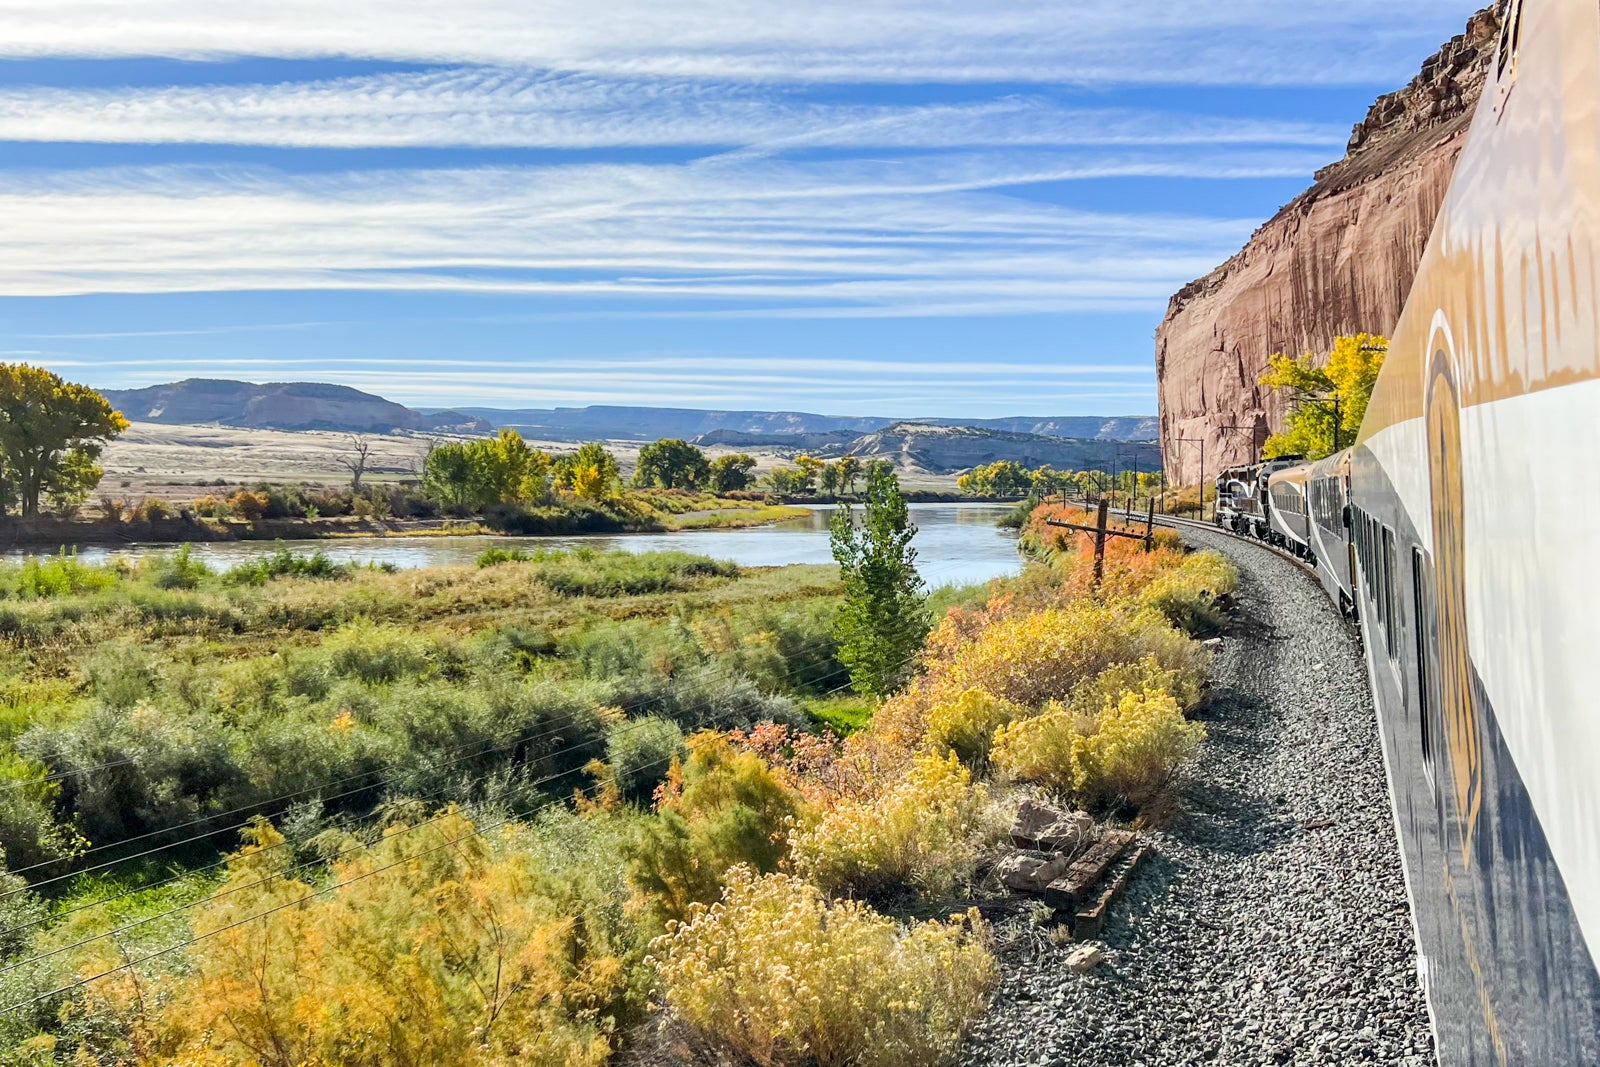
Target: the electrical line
(477, 831)
(549, 778)
(728, 675)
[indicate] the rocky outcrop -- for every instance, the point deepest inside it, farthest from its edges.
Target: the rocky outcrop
(1338, 259)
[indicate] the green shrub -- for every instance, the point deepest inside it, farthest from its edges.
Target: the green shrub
(283, 563)
(640, 752)
(491, 556)
(119, 676)
(178, 570)
(29, 832)
(157, 768)
(624, 574)
(50, 577)
(377, 652)
(782, 976)
(731, 809)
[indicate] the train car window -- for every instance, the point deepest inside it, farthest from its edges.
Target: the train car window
(1427, 637)
(1380, 598)
(1391, 599)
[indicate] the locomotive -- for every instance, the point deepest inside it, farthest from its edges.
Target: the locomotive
(1460, 532)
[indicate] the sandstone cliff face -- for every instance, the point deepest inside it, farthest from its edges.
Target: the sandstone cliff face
(1338, 259)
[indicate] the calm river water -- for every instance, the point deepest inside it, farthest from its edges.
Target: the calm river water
(956, 544)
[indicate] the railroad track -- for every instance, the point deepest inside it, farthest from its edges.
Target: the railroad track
(1176, 522)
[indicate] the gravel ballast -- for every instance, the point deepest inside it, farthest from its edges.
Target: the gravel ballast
(1271, 925)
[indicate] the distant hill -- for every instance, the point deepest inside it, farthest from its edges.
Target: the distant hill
(1083, 427)
(650, 424)
(314, 406)
(283, 406)
(939, 449)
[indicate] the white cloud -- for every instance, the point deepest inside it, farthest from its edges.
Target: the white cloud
(920, 235)
(498, 108)
(1088, 41)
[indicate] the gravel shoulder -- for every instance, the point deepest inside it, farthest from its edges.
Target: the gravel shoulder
(1271, 926)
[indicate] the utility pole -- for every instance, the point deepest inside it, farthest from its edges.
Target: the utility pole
(1102, 530)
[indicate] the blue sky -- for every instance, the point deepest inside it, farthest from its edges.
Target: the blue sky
(865, 207)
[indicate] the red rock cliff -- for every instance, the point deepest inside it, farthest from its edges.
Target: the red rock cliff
(1338, 259)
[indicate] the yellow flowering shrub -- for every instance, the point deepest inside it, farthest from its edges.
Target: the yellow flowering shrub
(1044, 748)
(1144, 675)
(778, 973)
(1125, 753)
(1187, 594)
(966, 725)
(435, 946)
(1027, 660)
(925, 831)
(1033, 659)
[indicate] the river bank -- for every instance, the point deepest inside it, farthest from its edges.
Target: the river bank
(51, 533)
(957, 544)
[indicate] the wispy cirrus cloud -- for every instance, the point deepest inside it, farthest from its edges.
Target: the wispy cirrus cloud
(487, 107)
(1255, 42)
(723, 168)
(653, 379)
(921, 235)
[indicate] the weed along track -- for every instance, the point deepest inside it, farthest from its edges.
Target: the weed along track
(1270, 924)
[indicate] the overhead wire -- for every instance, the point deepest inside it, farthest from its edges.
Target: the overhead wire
(140, 889)
(170, 912)
(133, 963)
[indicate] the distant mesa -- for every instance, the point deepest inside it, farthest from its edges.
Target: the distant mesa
(942, 449)
(283, 406)
(934, 445)
(798, 428)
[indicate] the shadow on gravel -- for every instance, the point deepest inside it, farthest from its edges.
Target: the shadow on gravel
(1221, 819)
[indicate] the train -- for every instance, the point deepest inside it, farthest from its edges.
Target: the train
(1459, 532)
(1473, 515)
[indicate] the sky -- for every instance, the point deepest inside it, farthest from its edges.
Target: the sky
(873, 207)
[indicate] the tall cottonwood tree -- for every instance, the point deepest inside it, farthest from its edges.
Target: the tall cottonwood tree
(52, 432)
(671, 463)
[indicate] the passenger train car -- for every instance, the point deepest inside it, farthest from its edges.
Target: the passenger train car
(1462, 527)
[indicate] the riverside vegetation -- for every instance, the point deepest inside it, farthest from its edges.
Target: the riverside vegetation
(545, 809)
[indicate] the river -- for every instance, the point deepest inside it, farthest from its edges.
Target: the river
(956, 544)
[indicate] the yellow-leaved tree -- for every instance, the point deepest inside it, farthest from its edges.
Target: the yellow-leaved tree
(1328, 402)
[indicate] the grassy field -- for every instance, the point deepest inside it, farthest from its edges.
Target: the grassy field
(476, 814)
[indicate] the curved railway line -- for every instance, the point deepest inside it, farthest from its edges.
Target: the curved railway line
(1272, 926)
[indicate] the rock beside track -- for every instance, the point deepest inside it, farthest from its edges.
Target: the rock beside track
(1271, 925)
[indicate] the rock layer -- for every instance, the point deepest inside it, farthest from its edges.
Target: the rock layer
(1338, 259)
